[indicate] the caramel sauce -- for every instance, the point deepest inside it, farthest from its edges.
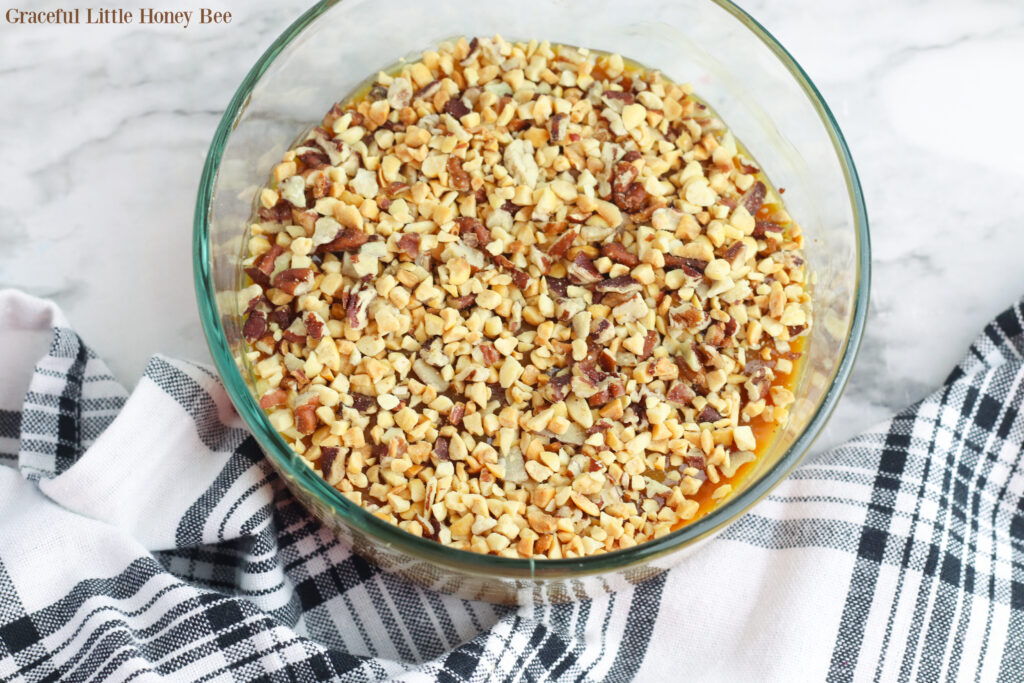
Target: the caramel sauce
(765, 432)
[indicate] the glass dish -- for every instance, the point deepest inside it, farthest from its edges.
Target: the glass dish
(736, 66)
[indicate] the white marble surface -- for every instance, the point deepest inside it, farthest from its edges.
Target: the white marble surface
(105, 129)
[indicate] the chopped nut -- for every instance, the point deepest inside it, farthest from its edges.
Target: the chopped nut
(743, 437)
(524, 300)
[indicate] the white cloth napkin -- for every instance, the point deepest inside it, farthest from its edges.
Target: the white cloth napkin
(144, 537)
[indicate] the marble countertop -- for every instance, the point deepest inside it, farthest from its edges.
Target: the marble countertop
(106, 129)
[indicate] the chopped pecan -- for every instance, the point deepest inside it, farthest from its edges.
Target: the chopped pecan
(432, 352)
(397, 447)
(694, 267)
(258, 276)
(427, 91)
(582, 270)
(552, 228)
(598, 398)
(761, 228)
(624, 97)
(618, 253)
(715, 334)
(409, 244)
(517, 125)
(643, 215)
(294, 281)
(295, 334)
(706, 353)
(603, 332)
(456, 107)
(623, 176)
(697, 379)
(607, 361)
(695, 460)
(300, 379)
(731, 326)
(305, 418)
(490, 354)
(473, 232)
(278, 213)
(519, 278)
(282, 316)
(457, 411)
(753, 198)
(734, 254)
(761, 384)
(556, 127)
(263, 266)
(616, 389)
(631, 200)
(558, 387)
(622, 284)
(650, 341)
(474, 45)
(590, 374)
(254, 302)
(459, 178)
(393, 126)
(462, 302)
(336, 112)
(356, 305)
(559, 286)
(639, 410)
(273, 398)
(708, 414)
(305, 219)
(441, 448)
(680, 393)
(314, 160)
(321, 187)
(314, 326)
(562, 244)
(755, 366)
(255, 326)
(347, 239)
(511, 208)
(328, 454)
(362, 402)
(392, 190)
(692, 315)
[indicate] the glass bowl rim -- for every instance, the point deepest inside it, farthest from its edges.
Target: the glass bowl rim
(491, 565)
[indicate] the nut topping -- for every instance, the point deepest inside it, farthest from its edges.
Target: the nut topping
(525, 300)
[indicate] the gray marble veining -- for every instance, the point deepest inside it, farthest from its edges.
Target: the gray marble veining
(106, 129)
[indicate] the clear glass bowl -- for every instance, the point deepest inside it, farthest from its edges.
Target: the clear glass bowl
(734, 65)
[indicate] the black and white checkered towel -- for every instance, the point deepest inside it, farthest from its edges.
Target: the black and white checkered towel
(144, 537)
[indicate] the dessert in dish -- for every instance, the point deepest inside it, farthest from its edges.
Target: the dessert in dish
(525, 299)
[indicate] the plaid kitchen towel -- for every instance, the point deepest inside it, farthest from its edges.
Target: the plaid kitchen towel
(144, 537)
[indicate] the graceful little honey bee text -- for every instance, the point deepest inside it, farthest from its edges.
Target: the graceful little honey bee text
(107, 15)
